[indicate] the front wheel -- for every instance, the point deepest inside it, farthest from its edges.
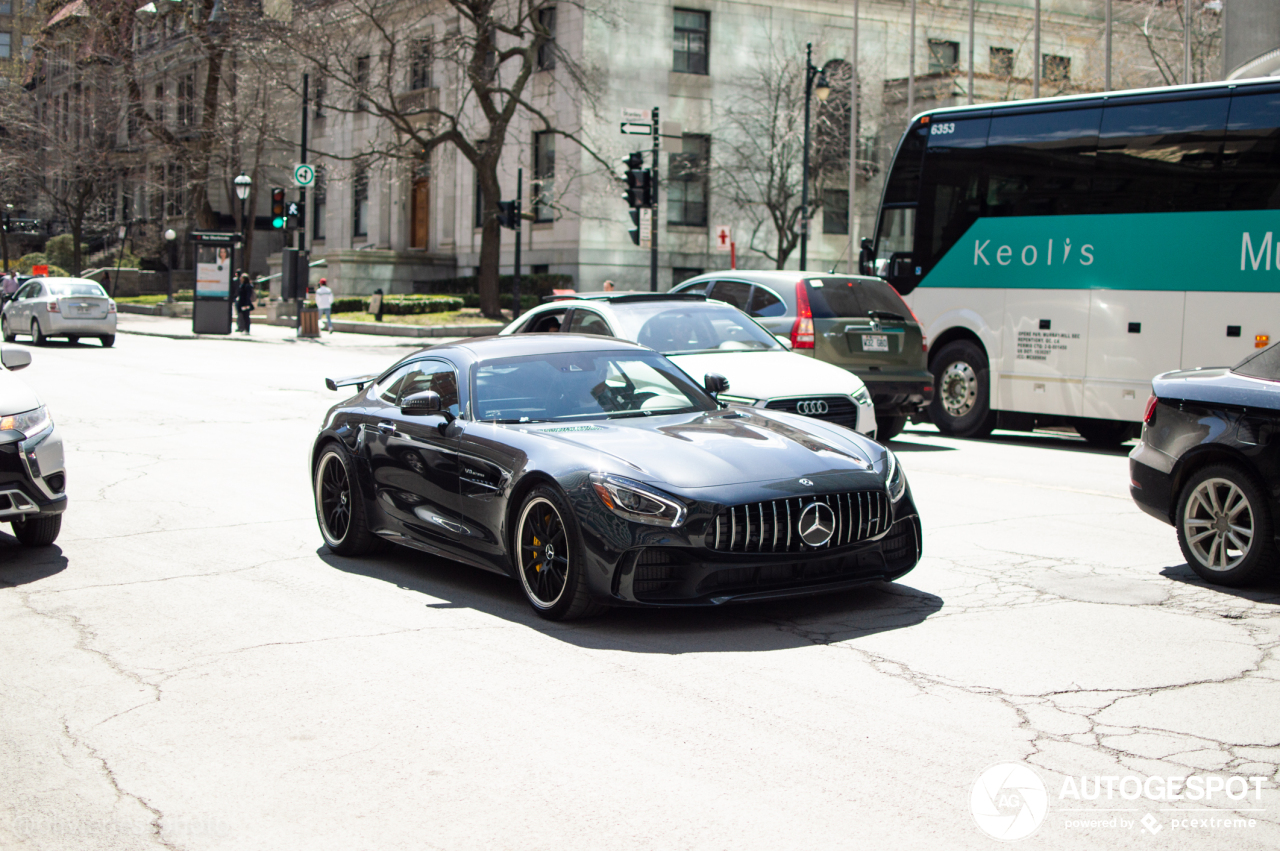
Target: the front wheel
(887, 427)
(340, 510)
(1224, 526)
(38, 531)
(108, 341)
(548, 558)
(961, 403)
(37, 336)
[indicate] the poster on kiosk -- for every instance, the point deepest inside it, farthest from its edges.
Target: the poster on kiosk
(215, 283)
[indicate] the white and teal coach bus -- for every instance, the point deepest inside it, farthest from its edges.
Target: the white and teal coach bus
(1059, 253)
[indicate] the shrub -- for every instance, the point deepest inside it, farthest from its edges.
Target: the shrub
(538, 285)
(26, 261)
(398, 305)
(61, 250)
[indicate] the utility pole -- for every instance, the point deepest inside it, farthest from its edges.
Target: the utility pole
(515, 279)
(1035, 58)
(972, 4)
(1107, 81)
(304, 274)
(1186, 42)
(653, 219)
(853, 147)
(911, 66)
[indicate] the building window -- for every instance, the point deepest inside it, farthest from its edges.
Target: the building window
(321, 198)
(157, 106)
(679, 275)
(547, 52)
(6, 7)
(1002, 61)
(1056, 69)
(27, 43)
(689, 176)
(692, 38)
(544, 176)
(944, 56)
(835, 211)
(420, 64)
(539, 269)
(362, 82)
(187, 101)
(176, 200)
(360, 202)
(6, 45)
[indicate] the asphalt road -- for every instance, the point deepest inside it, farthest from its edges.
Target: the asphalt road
(190, 668)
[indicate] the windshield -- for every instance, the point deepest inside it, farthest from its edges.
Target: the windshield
(584, 385)
(76, 289)
(1263, 364)
(687, 328)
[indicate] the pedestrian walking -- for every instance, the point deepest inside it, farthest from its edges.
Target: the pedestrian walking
(245, 301)
(324, 302)
(8, 285)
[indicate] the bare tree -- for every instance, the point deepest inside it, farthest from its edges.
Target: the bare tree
(1160, 25)
(457, 74)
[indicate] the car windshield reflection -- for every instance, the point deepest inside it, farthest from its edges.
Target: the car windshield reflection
(690, 329)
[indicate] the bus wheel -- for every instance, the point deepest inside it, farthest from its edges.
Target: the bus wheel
(1108, 434)
(962, 391)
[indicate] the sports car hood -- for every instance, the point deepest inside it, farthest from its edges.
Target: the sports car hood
(767, 375)
(710, 449)
(15, 396)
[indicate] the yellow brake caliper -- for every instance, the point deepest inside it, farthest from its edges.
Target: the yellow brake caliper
(537, 567)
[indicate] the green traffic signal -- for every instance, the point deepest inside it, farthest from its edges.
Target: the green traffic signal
(278, 222)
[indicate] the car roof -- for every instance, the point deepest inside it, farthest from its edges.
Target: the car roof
(774, 276)
(64, 280)
(518, 345)
(626, 297)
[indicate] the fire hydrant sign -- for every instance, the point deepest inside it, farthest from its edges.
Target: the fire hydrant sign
(721, 239)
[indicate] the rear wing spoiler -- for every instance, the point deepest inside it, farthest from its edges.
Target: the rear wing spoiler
(358, 380)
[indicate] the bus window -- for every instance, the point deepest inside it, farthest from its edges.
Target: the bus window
(1251, 155)
(895, 236)
(952, 186)
(1161, 157)
(1041, 163)
(903, 186)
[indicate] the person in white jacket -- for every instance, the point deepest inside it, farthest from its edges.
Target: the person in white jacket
(324, 301)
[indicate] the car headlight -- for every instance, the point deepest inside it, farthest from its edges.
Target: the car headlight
(862, 397)
(894, 476)
(636, 501)
(29, 422)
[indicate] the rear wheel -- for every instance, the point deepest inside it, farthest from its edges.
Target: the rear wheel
(108, 341)
(75, 341)
(887, 428)
(961, 403)
(340, 510)
(1225, 527)
(9, 334)
(548, 558)
(1108, 434)
(38, 531)
(37, 336)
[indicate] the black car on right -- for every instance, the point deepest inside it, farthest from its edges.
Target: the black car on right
(1209, 465)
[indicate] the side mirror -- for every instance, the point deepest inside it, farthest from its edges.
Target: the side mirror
(421, 404)
(714, 382)
(15, 359)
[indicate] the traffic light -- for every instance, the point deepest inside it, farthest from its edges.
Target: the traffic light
(634, 233)
(277, 208)
(509, 214)
(639, 182)
(293, 214)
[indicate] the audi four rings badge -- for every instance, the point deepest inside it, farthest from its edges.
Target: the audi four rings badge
(817, 524)
(812, 407)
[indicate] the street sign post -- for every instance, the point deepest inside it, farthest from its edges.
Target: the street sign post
(304, 175)
(646, 227)
(632, 129)
(639, 116)
(721, 240)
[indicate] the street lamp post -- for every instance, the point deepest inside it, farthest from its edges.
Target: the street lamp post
(243, 184)
(815, 83)
(171, 237)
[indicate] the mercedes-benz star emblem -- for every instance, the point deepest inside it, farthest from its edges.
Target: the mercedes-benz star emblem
(812, 407)
(817, 524)
(806, 482)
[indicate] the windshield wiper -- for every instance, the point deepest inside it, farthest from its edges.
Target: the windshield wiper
(886, 314)
(627, 414)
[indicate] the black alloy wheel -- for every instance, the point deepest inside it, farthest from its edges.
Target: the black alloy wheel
(38, 531)
(9, 335)
(37, 336)
(1224, 526)
(339, 509)
(547, 558)
(961, 403)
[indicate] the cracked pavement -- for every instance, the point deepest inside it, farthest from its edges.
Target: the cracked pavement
(188, 668)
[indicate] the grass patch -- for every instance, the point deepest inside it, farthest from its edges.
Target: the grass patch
(156, 298)
(448, 317)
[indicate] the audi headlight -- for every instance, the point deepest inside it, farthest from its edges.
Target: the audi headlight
(29, 422)
(636, 501)
(862, 397)
(894, 476)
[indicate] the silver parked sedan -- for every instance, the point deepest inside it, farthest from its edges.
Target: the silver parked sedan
(60, 307)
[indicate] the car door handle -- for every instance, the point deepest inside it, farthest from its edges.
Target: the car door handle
(387, 428)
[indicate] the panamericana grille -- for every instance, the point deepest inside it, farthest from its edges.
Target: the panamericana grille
(774, 526)
(836, 409)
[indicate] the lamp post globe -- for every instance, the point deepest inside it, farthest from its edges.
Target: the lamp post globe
(171, 237)
(170, 234)
(242, 184)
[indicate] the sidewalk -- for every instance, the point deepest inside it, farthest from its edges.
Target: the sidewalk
(260, 332)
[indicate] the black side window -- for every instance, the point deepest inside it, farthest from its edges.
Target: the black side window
(700, 287)
(1264, 364)
(548, 322)
(589, 322)
(734, 292)
(1042, 163)
(388, 390)
(1251, 154)
(431, 375)
(765, 303)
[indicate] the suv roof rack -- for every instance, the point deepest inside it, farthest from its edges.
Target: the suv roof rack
(624, 297)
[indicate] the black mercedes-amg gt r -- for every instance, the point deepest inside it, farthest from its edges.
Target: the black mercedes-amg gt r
(596, 473)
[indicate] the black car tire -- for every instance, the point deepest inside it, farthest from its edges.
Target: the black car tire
(1106, 434)
(340, 509)
(9, 335)
(960, 375)
(108, 341)
(553, 579)
(1203, 541)
(38, 531)
(75, 341)
(887, 428)
(37, 336)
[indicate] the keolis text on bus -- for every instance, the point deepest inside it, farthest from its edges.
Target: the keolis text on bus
(1031, 255)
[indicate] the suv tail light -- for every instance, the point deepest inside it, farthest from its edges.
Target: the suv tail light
(1151, 410)
(802, 328)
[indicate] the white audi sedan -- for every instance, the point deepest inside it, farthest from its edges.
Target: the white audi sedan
(704, 336)
(60, 307)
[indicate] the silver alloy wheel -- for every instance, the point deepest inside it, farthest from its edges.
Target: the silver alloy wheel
(541, 535)
(958, 387)
(1218, 524)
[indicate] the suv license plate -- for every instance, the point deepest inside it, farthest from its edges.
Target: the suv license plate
(875, 342)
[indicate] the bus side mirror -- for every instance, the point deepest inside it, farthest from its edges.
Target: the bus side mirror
(867, 257)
